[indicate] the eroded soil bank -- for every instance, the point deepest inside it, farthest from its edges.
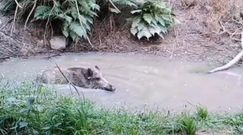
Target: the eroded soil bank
(209, 30)
(143, 81)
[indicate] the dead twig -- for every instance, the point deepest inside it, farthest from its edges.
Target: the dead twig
(116, 8)
(83, 97)
(3, 58)
(28, 17)
(9, 21)
(231, 34)
(14, 21)
(77, 8)
(47, 22)
(174, 45)
(17, 3)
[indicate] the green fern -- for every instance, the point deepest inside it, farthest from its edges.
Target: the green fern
(151, 19)
(76, 15)
(10, 5)
(76, 23)
(7, 6)
(42, 12)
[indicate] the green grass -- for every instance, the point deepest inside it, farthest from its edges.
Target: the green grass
(27, 110)
(188, 125)
(202, 113)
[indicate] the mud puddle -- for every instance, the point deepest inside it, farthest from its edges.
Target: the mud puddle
(144, 81)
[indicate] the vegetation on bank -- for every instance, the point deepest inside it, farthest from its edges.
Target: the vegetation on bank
(25, 109)
(76, 17)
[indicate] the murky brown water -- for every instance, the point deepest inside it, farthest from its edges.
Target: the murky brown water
(145, 81)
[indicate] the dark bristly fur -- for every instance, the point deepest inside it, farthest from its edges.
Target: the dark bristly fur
(78, 76)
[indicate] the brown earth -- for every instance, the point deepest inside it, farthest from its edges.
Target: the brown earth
(209, 30)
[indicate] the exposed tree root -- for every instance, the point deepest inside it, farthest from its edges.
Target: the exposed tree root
(232, 62)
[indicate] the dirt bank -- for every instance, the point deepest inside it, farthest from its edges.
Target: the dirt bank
(208, 31)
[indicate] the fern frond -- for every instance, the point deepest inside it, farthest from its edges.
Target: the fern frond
(151, 19)
(42, 12)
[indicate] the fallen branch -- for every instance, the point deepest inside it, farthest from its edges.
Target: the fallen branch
(4, 58)
(17, 3)
(83, 97)
(231, 34)
(232, 62)
(117, 10)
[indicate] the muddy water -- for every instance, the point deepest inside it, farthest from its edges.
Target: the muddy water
(144, 81)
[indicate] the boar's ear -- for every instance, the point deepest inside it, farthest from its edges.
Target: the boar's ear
(97, 67)
(89, 73)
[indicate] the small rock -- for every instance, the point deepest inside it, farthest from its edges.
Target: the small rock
(58, 43)
(40, 43)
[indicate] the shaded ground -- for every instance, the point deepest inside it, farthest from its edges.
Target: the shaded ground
(198, 37)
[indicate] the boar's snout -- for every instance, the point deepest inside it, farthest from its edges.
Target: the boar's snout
(109, 88)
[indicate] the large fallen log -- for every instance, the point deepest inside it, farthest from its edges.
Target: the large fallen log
(233, 61)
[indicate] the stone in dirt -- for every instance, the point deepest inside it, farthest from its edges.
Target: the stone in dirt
(58, 43)
(189, 3)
